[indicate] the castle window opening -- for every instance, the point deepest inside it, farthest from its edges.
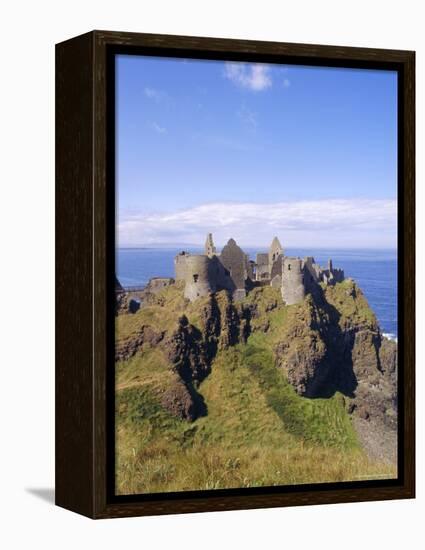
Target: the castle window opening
(195, 278)
(289, 267)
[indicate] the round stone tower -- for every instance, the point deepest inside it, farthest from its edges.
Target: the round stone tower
(293, 290)
(198, 279)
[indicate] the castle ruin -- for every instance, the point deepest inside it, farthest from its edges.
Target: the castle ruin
(232, 270)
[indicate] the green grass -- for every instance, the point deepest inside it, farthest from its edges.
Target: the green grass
(351, 304)
(149, 367)
(238, 412)
(162, 315)
(322, 421)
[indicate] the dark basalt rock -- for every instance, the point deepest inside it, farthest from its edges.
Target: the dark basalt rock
(304, 365)
(133, 305)
(183, 401)
(191, 351)
(365, 354)
(388, 357)
(376, 393)
(185, 351)
(303, 353)
(230, 328)
(211, 327)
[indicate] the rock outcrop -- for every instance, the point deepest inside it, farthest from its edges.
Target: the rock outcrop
(191, 351)
(185, 352)
(181, 400)
(301, 352)
(130, 346)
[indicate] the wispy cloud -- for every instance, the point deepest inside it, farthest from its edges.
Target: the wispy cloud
(248, 117)
(255, 76)
(319, 223)
(157, 128)
(158, 96)
(224, 142)
(286, 82)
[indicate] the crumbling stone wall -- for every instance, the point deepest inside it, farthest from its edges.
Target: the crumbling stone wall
(233, 259)
(156, 284)
(262, 270)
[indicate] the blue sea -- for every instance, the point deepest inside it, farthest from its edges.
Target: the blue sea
(375, 271)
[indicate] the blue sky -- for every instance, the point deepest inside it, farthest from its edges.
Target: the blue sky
(251, 150)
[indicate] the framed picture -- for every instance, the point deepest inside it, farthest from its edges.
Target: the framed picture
(235, 274)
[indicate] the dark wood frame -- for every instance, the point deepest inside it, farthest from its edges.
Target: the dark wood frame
(84, 278)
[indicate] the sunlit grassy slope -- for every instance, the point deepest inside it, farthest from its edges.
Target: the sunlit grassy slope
(257, 431)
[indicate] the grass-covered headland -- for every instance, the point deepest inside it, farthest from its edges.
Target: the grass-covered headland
(264, 405)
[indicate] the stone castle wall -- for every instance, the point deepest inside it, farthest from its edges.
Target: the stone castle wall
(180, 266)
(262, 270)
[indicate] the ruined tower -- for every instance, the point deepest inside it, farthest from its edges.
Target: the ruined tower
(293, 289)
(210, 249)
(275, 262)
(275, 251)
(233, 260)
(198, 278)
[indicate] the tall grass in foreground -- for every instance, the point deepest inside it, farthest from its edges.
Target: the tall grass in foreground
(157, 469)
(258, 432)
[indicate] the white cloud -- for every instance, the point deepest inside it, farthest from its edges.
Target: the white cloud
(286, 83)
(254, 76)
(158, 129)
(346, 223)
